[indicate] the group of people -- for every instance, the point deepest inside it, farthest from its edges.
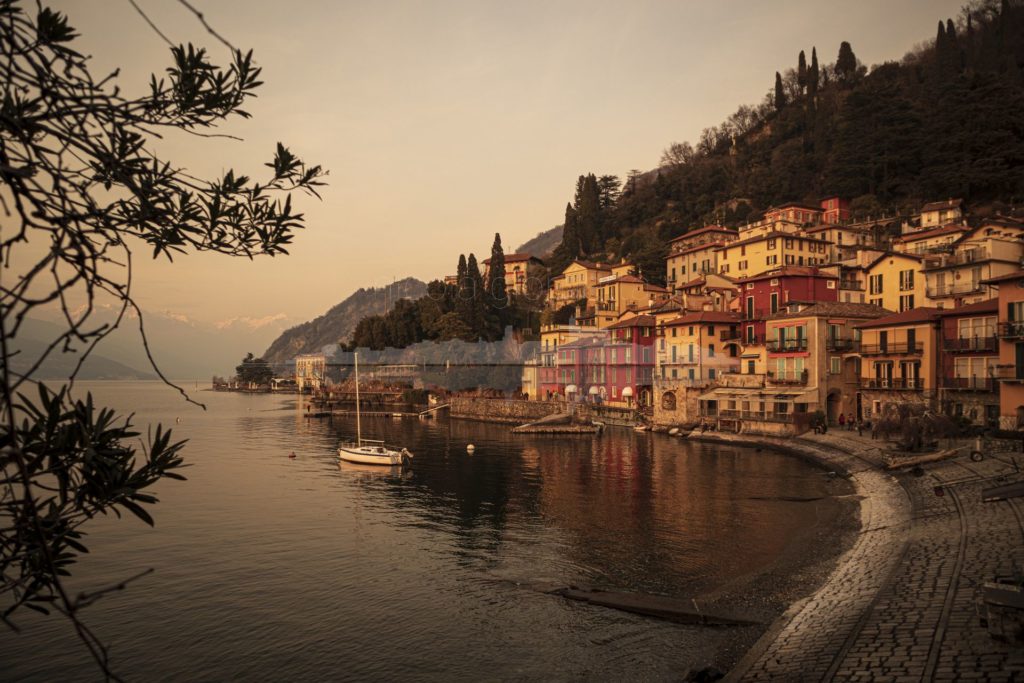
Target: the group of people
(851, 423)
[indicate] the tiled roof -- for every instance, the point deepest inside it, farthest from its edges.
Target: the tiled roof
(1015, 275)
(518, 256)
(986, 306)
(892, 254)
(934, 232)
(697, 247)
(836, 226)
(910, 316)
(628, 279)
(705, 317)
(936, 206)
(839, 309)
(794, 205)
(636, 321)
(703, 231)
(648, 287)
(788, 271)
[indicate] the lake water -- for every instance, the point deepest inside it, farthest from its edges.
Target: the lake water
(270, 568)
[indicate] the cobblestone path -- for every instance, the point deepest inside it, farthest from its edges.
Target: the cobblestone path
(900, 604)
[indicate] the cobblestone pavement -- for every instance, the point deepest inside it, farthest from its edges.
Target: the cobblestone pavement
(900, 606)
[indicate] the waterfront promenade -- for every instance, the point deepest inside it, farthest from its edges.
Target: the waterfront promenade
(900, 604)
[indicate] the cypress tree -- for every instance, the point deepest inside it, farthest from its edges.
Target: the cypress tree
(464, 293)
(801, 71)
(497, 297)
(477, 304)
(780, 94)
(812, 73)
(846, 63)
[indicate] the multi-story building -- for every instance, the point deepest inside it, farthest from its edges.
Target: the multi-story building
(693, 254)
(811, 365)
(310, 371)
(894, 281)
(754, 255)
(835, 210)
(1009, 369)
(937, 214)
(629, 358)
(899, 361)
(989, 250)
(576, 282)
(845, 240)
(932, 241)
(618, 294)
(518, 270)
(699, 346)
(769, 292)
(551, 380)
(968, 359)
(794, 212)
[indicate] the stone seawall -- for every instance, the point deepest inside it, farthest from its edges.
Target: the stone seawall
(503, 410)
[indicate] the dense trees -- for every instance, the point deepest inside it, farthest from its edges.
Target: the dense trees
(254, 370)
(944, 121)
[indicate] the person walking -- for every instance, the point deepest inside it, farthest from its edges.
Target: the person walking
(842, 420)
(849, 422)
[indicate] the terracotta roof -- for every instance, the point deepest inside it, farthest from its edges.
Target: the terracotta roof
(986, 306)
(518, 256)
(910, 316)
(1015, 275)
(891, 254)
(934, 232)
(948, 204)
(648, 287)
(636, 321)
(705, 317)
(794, 205)
(697, 247)
(841, 309)
(788, 271)
(693, 283)
(831, 226)
(773, 235)
(703, 231)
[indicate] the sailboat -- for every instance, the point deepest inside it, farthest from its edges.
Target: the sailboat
(371, 451)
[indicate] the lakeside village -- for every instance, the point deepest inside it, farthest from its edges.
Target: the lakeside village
(798, 318)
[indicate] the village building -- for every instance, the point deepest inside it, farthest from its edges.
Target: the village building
(987, 251)
(769, 292)
(970, 354)
(518, 270)
(693, 254)
(310, 369)
(1009, 370)
(771, 250)
(835, 210)
(895, 282)
(936, 214)
(932, 241)
(617, 294)
(899, 361)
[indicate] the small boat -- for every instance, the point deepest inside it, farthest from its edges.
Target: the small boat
(370, 451)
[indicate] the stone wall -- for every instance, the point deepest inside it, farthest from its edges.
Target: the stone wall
(893, 397)
(681, 407)
(503, 410)
(973, 402)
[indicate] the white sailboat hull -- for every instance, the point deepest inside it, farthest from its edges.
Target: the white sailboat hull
(374, 455)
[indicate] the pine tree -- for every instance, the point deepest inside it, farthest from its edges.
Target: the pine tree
(780, 94)
(801, 71)
(477, 302)
(846, 63)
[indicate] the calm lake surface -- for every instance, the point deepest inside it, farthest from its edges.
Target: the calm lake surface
(270, 568)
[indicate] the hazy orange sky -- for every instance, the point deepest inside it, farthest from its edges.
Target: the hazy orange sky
(445, 122)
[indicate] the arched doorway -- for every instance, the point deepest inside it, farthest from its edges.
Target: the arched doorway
(668, 400)
(832, 407)
(1020, 417)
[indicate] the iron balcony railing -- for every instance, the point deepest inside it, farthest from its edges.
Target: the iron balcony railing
(908, 383)
(783, 345)
(974, 255)
(755, 314)
(892, 349)
(954, 290)
(729, 335)
(969, 383)
(964, 344)
(1011, 330)
(788, 377)
(841, 344)
(851, 284)
(753, 339)
(1010, 373)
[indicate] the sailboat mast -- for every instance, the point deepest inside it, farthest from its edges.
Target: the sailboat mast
(359, 427)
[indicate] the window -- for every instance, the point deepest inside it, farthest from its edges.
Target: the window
(711, 329)
(743, 265)
(875, 284)
(690, 330)
(789, 259)
(835, 363)
(771, 244)
(875, 302)
(743, 250)
(775, 282)
(711, 373)
(750, 285)
(775, 302)
(690, 373)
(906, 280)
(771, 260)
(750, 334)
(711, 350)
(789, 243)
(831, 284)
(906, 302)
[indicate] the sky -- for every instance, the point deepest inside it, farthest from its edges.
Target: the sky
(443, 122)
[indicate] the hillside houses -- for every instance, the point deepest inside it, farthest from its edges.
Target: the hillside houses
(803, 313)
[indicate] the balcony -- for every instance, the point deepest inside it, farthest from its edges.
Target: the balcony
(938, 292)
(730, 335)
(755, 314)
(753, 340)
(969, 383)
(969, 344)
(1009, 373)
(606, 305)
(786, 345)
(892, 349)
(1011, 330)
(975, 255)
(788, 377)
(842, 345)
(893, 383)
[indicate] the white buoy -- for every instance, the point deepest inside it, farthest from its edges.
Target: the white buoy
(470, 448)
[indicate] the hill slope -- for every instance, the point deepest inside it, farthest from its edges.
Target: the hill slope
(338, 324)
(543, 244)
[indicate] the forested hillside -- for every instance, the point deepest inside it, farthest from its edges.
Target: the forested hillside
(944, 121)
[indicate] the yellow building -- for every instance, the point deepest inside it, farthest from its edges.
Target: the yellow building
(576, 282)
(931, 241)
(699, 346)
(894, 281)
(618, 294)
(757, 254)
(309, 371)
(693, 254)
(990, 250)
(936, 214)
(846, 240)
(900, 361)
(518, 270)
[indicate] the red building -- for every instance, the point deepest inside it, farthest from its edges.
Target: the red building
(835, 210)
(630, 362)
(968, 361)
(766, 294)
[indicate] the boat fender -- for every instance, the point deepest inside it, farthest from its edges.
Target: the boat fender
(470, 448)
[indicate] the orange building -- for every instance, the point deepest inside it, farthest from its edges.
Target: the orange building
(1010, 366)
